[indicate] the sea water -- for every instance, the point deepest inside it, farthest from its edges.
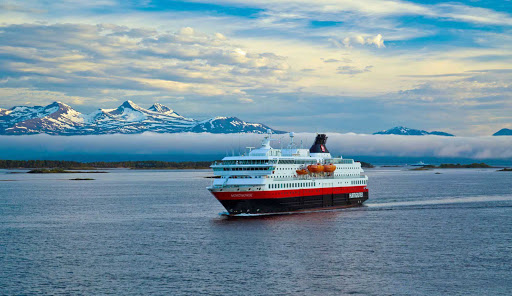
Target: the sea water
(132, 232)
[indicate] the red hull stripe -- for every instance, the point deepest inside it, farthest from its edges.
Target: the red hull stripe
(238, 195)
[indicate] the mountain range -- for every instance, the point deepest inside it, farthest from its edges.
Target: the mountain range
(404, 131)
(60, 119)
(129, 118)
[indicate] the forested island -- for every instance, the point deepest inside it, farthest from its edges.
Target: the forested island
(75, 165)
(454, 166)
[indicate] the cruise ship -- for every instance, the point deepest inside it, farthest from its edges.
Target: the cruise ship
(268, 180)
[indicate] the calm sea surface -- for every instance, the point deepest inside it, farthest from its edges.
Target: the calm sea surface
(160, 232)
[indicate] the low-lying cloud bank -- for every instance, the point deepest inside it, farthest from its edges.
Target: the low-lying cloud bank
(189, 146)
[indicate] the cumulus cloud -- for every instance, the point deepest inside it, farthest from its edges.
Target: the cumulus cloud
(199, 146)
(376, 41)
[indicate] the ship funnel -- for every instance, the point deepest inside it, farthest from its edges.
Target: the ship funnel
(319, 145)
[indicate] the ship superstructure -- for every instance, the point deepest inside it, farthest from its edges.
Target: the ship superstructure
(269, 180)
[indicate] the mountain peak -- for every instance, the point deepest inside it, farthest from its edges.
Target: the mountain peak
(223, 125)
(503, 132)
(402, 130)
(131, 105)
(157, 107)
(59, 104)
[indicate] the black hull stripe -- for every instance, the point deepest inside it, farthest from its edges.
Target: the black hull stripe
(272, 205)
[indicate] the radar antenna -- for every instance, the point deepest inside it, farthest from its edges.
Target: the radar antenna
(291, 145)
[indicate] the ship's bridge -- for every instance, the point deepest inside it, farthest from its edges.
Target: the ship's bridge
(266, 149)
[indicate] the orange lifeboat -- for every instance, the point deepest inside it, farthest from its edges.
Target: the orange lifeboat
(301, 172)
(329, 168)
(316, 168)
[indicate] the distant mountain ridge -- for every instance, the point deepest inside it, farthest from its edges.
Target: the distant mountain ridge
(404, 131)
(58, 118)
(503, 132)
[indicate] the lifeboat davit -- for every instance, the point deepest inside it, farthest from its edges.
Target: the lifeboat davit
(301, 172)
(329, 168)
(316, 168)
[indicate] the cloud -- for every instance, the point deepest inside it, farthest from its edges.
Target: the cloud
(332, 61)
(351, 70)
(214, 146)
(327, 10)
(377, 41)
(65, 57)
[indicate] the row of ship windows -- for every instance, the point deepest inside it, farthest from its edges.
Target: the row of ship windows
(285, 161)
(244, 169)
(291, 185)
(232, 162)
(277, 177)
(358, 182)
(263, 169)
(259, 169)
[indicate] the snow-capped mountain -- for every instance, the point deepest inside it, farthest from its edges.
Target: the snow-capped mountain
(129, 118)
(223, 125)
(400, 130)
(503, 132)
(38, 119)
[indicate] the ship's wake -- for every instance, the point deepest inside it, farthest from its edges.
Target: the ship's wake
(443, 201)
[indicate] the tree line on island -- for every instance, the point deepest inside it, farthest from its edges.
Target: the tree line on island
(71, 165)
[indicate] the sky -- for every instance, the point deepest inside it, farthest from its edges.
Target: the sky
(296, 65)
